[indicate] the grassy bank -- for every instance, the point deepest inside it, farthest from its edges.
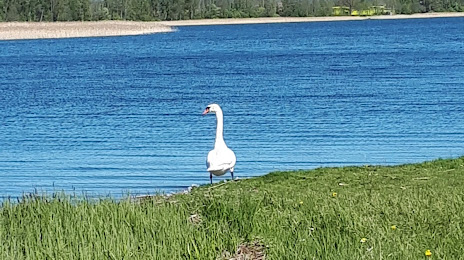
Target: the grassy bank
(329, 213)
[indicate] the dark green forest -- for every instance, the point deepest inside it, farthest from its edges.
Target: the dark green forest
(160, 10)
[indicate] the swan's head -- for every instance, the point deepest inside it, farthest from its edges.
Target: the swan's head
(213, 108)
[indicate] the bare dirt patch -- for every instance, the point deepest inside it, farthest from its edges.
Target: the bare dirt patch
(247, 251)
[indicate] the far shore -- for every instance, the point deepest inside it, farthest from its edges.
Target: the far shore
(307, 19)
(52, 30)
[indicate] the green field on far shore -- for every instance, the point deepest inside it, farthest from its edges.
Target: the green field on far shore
(369, 212)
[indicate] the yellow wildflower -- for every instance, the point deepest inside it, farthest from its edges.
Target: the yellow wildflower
(428, 253)
(363, 240)
(334, 194)
(301, 202)
(393, 227)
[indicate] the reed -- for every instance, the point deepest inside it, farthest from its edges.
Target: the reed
(46, 30)
(370, 212)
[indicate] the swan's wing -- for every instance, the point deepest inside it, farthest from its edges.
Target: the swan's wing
(220, 160)
(210, 158)
(232, 158)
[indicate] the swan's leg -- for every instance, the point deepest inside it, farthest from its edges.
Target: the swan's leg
(211, 178)
(232, 174)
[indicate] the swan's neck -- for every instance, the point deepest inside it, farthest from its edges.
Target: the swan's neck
(219, 130)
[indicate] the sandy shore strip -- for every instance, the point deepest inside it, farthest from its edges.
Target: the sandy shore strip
(307, 19)
(49, 30)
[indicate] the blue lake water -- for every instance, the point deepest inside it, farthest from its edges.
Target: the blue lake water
(107, 116)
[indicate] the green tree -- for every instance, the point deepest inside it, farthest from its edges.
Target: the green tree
(11, 10)
(349, 3)
(270, 7)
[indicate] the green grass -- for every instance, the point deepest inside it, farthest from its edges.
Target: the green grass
(294, 214)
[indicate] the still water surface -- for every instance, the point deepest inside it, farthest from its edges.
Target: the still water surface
(107, 116)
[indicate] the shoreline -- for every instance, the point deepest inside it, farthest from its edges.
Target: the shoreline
(232, 21)
(56, 30)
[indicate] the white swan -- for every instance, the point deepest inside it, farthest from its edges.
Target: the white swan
(221, 159)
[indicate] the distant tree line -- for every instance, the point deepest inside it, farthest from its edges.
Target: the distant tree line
(160, 10)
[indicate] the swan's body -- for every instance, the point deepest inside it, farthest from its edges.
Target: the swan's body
(221, 159)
